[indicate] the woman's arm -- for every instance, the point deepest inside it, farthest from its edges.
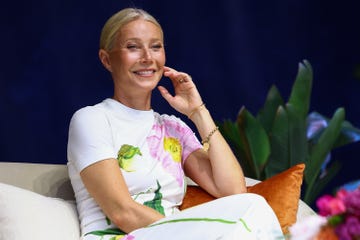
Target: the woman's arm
(105, 183)
(217, 171)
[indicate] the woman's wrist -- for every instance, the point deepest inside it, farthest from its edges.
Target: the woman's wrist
(204, 123)
(206, 141)
(197, 109)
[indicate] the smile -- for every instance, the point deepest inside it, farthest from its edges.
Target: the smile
(145, 73)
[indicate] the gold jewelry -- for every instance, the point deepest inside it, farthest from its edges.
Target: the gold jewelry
(185, 79)
(199, 108)
(206, 141)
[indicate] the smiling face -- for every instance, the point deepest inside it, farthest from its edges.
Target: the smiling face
(137, 58)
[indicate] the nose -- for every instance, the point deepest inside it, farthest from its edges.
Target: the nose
(146, 56)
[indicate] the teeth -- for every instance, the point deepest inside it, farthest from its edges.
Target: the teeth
(144, 72)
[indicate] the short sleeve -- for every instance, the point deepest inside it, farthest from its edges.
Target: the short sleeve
(184, 133)
(90, 138)
(190, 144)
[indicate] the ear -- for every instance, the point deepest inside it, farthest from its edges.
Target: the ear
(105, 60)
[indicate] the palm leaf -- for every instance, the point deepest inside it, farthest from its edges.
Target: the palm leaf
(312, 193)
(322, 148)
(231, 133)
(301, 89)
(298, 144)
(279, 142)
(348, 134)
(255, 139)
(267, 114)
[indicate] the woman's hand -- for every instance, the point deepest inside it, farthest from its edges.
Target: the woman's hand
(217, 170)
(187, 97)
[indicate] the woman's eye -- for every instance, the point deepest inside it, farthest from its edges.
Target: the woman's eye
(157, 46)
(132, 47)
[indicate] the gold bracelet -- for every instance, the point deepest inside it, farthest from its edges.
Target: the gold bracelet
(196, 110)
(205, 142)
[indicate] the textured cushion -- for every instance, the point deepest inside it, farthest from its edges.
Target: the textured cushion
(281, 191)
(28, 215)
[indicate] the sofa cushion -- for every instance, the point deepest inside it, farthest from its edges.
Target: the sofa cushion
(28, 215)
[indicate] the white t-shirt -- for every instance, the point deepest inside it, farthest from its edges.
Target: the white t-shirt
(150, 148)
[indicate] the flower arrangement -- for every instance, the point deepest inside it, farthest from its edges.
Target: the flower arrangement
(338, 217)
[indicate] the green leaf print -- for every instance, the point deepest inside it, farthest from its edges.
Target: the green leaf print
(108, 221)
(126, 155)
(109, 231)
(156, 202)
(219, 220)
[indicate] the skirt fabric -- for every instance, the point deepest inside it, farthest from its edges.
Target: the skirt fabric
(243, 216)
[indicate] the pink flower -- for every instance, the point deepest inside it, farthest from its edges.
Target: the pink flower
(352, 202)
(341, 194)
(329, 205)
(341, 214)
(349, 229)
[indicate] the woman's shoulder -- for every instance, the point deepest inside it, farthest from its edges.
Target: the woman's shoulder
(166, 118)
(171, 121)
(89, 112)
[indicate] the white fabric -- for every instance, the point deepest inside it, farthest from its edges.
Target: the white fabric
(151, 149)
(243, 216)
(145, 144)
(28, 215)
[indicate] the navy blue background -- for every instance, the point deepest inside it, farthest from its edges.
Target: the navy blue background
(234, 50)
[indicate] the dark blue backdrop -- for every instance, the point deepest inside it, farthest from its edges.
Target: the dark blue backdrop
(234, 49)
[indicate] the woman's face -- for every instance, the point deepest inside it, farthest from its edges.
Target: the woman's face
(138, 56)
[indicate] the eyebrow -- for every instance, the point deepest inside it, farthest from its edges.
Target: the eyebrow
(138, 39)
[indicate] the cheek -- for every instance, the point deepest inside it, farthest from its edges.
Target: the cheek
(123, 62)
(161, 58)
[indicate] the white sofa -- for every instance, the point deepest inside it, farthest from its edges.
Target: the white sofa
(37, 202)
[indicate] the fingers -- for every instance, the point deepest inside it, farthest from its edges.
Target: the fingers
(165, 94)
(175, 76)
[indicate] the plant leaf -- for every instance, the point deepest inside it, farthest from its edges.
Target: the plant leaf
(267, 114)
(323, 147)
(348, 134)
(301, 89)
(298, 143)
(231, 133)
(310, 194)
(279, 142)
(255, 139)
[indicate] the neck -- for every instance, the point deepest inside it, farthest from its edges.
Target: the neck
(139, 103)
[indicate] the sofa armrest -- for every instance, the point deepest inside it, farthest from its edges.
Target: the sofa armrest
(50, 180)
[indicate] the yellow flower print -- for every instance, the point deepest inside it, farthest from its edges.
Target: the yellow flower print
(173, 146)
(126, 155)
(119, 237)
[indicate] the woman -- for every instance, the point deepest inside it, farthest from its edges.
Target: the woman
(127, 163)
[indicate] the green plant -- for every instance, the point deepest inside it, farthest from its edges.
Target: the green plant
(282, 135)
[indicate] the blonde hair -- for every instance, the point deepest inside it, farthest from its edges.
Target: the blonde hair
(118, 20)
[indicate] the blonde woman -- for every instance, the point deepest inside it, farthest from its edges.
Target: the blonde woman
(128, 163)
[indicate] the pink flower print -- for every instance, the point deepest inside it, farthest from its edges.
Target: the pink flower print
(166, 148)
(125, 237)
(128, 237)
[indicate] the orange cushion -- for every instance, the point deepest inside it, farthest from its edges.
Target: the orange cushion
(282, 192)
(195, 195)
